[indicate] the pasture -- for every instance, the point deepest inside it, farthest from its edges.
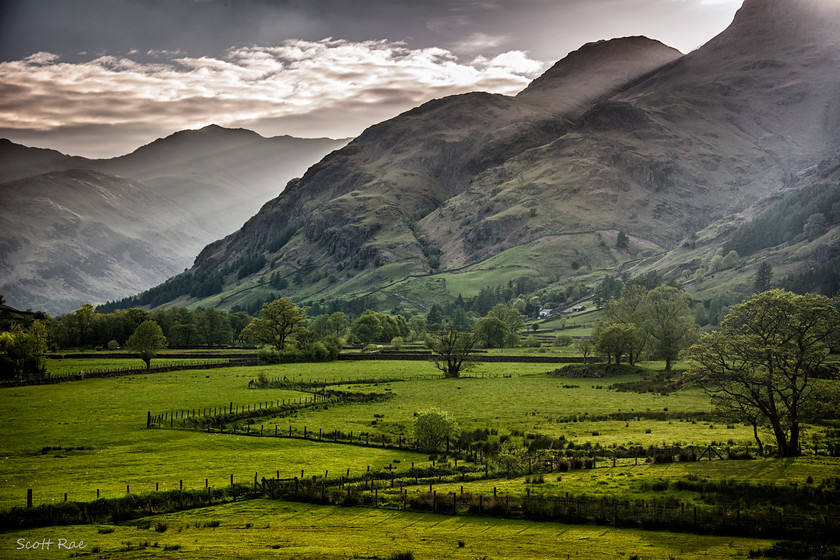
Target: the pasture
(88, 438)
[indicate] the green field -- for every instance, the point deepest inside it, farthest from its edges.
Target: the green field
(271, 529)
(87, 436)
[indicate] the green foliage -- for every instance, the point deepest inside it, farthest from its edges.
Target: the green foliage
(452, 350)
(379, 327)
(201, 282)
(586, 345)
(500, 328)
(325, 350)
(668, 322)
(822, 279)
(610, 287)
(213, 327)
(147, 340)
(22, 350)
(659, 321)
(495, 334)
(509, 458)
(532, 342)
(280, 240)
(280, 318)
(563, 340)
(617, 340)
(799, 214)
(248, 264)
(762, 278)
(758, 368)
(432, 428)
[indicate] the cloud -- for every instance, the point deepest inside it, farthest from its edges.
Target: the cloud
(255, 84)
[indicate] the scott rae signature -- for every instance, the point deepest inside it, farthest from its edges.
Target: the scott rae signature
(46, 544)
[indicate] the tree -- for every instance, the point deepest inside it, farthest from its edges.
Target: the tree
(147, 340)
(585, 345)
(22, 350)
(816, 225)
(762, 278)
(435, 315)
(417, 323)
(758, 368)
(83, 324)
(622, 241)
(280, 318)
(432, 428)
(213, 326)
(630, 337)
(617, 340)
(367, 328)
(668, 322)
(494, 333)
(509, 458)
(339, 325)
(452, 350)
(509, 316)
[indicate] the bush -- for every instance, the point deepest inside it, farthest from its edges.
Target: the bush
(532, 342)
(563, 340)
(432, 428)
(321, 351)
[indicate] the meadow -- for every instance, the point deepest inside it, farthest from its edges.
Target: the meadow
(89, 438)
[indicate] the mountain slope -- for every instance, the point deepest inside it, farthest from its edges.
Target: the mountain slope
(78, 230)
(360, 204)
(479, 189)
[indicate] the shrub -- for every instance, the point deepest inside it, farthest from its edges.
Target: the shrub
(532, 342)
(432, 428)
(563, 340)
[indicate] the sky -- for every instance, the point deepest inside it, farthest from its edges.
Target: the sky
(99, 78)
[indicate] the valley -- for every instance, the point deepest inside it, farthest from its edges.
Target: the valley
(597, 318)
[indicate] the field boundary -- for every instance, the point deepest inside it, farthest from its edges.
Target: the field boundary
(118, 372)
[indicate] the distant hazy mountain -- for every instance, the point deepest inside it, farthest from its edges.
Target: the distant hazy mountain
(78, 230)
(625, 135)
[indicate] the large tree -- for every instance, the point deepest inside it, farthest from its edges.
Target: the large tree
(668, 322)
(280, 318)
(213, 326)
(147, 340)
(759, 367)
(452, 350)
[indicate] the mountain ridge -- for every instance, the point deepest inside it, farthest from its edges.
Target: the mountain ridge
(112, 210)
(477, 190)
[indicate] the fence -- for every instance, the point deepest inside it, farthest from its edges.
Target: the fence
(478, 357)
(407, 491)
(644, 514)
(135, 370)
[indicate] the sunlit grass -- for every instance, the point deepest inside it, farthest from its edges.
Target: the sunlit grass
(269, 529)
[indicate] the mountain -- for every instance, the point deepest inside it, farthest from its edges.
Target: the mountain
(480, 190)
(79, 230)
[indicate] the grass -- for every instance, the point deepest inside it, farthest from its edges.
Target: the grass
(59, 366)
(82, 436)
(263, 528)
